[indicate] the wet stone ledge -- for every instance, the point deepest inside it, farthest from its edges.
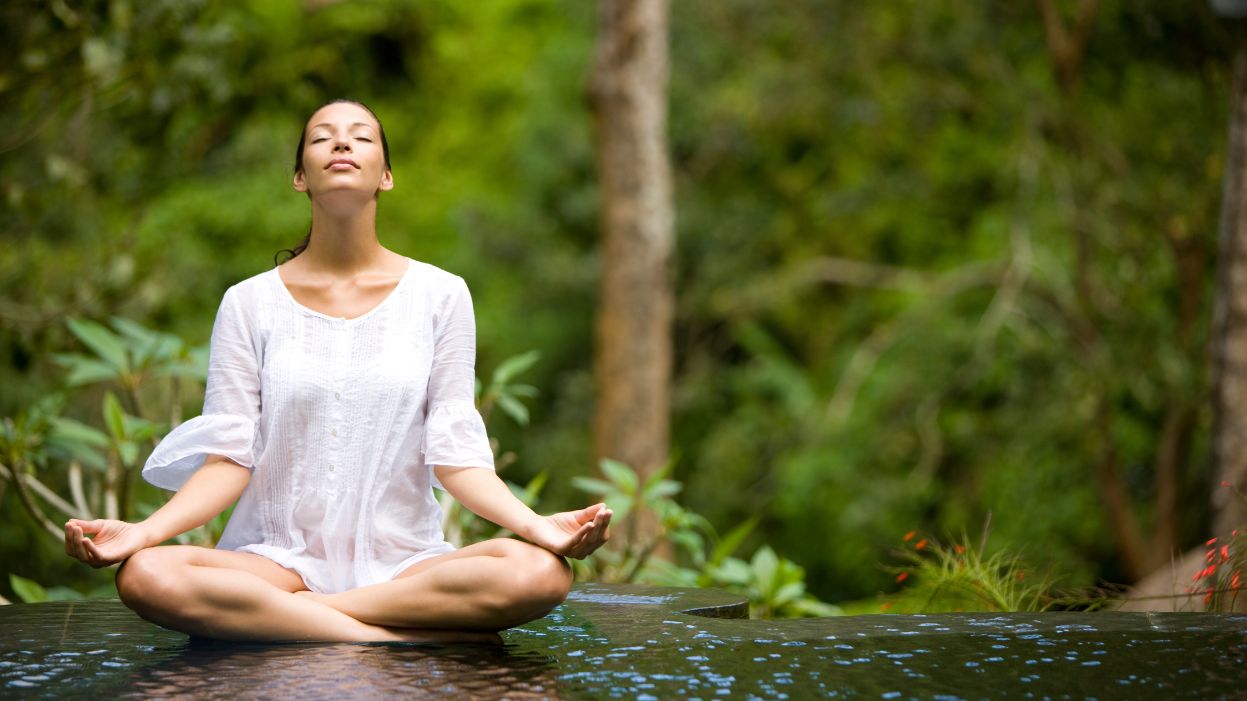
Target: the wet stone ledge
(633, 642)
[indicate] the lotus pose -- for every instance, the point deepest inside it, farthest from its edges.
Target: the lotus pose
(340, 392)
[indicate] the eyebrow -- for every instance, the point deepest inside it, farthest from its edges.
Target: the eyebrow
(330, 126)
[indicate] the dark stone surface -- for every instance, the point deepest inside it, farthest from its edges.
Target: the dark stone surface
(644, 643)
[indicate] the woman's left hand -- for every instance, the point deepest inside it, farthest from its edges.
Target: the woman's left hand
(573, 534)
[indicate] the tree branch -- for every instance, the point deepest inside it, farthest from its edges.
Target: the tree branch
(12, 474)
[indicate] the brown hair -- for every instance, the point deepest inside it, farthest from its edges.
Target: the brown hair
(298, 166)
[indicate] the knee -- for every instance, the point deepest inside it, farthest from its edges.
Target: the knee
(145, 582)
(541, 581)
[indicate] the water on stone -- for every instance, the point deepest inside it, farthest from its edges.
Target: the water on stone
(632, 642)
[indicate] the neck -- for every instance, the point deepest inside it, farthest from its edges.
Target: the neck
(344, 240)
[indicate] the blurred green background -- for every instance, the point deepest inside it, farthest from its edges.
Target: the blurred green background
(920, 278)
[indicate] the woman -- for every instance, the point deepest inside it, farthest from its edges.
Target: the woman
(340, 390)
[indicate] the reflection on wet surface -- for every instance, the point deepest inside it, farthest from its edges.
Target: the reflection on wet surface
(635, 642)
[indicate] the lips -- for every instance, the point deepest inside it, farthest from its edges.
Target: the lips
(342, 161)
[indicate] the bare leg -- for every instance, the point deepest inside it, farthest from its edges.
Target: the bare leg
(239, 597)
(485, 586)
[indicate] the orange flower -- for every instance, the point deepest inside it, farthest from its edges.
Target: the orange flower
(902, 577)
(887, 606)
(959, 548)
(909, 536)
(920, 544)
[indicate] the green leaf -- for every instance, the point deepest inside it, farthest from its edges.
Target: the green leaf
(129, 452)
(765, 563)
(27, 590)
(514, 365)
(808, 606)
(61, 593)
(786, 594)
(114, 417)
(593, 486)
(526, 391)
(732, 571)
(73, 431)
(732, 540)
(104, 342)
(84, 370)
(513, 408)
(621, 504)
(693, 544)
(623, 476)
(661, 489)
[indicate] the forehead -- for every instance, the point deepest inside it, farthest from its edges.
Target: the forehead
(341, 115)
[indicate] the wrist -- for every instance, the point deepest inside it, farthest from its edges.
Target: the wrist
(150, 535)
(529, 527)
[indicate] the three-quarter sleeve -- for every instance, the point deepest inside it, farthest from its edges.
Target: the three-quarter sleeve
(454, 433)
(229, 422)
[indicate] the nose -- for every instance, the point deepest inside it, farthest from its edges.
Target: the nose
(342, 144)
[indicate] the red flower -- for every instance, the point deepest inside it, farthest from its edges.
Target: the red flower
(920, 544)
(959, 548)
(902, 577)
(1225, 553)
(1210, 541)
(1225, 483)
(1207, 598)
(909, 536)
(887, 605)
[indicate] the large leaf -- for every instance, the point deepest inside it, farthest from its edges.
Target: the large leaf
(728, 544)
(73, 431)
(765, 564)
(593, 486)
(514, 365)
(27, 590)
(661, 489)
(513, 408)
(623, 476)
(105, 343)
(84, 370)
(114, 417)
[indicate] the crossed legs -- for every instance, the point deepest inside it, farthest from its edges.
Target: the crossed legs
(228, 595)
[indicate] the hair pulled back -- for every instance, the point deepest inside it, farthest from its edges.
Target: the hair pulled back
(298, 166)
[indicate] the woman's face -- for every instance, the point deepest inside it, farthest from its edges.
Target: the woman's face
(342, 153)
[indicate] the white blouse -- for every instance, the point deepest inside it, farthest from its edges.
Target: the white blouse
(341, 422)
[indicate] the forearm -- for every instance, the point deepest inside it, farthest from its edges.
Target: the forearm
(207, 493)
(487, 496)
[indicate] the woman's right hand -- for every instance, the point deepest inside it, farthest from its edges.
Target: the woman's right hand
(113, 540)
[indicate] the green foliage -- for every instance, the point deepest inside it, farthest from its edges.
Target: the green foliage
(31, 592)
(1035, 265)
(774, 585)
(940, 578)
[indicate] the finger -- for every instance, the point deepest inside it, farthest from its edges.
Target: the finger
(72, 541)
(81, 544)
(97, 559)
(69, 539)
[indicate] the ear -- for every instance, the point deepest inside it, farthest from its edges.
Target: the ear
(387, 181)
(300, 183)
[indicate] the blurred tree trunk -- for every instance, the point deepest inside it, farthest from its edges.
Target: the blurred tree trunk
(632, 364)
(1229, 322)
